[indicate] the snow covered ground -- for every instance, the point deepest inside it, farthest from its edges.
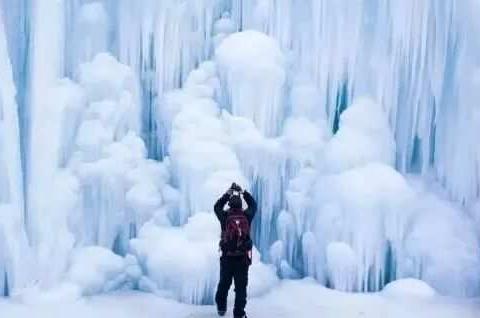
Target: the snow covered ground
(300, 299)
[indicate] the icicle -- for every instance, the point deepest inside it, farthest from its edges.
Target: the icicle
(15, 254)
(163, 41)
(46, 67)
(90, 35)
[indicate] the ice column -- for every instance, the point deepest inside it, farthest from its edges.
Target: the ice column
(163, 41)
(203, 161)
(90, 33)
(252, 73)
(46, 67)
(15, 253)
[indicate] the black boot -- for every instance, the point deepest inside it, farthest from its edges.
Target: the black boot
(221, 313)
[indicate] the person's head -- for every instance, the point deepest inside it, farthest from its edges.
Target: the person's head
(235, 202)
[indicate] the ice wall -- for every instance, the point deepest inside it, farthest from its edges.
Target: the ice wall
(252, 74)
(252, 71)
(183, 261)
(415, 58)
(320, 109)
(90, 31)
(202, 156)
(46, 67)
(163, 41)
(14, 251)
(16, 28)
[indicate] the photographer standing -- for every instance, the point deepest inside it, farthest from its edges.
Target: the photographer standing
(236, 246)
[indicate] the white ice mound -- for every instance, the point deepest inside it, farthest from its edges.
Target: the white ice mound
(104, 78)
(250, 51)
(184, 261)
(380, 216)
(342, 266)
(96, 270)
(251, 67)
(409, 287)
(367, 208)
(181, 260)
(203, 160)
(364, 136)
(98, 164)
(262, 277)
(442, 245)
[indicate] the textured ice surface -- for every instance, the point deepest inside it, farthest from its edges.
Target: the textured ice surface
(14, 246)
(124, 118)
(252, 70)
(409, 288)
(184, 261)
(96, 270)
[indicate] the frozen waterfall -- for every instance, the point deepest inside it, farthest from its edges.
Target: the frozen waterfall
(353, 123)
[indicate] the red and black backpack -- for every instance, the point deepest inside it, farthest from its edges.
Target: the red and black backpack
(236, 239)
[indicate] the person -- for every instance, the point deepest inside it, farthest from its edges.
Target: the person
(236, 247)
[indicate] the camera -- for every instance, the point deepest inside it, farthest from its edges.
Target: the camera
(235, 189)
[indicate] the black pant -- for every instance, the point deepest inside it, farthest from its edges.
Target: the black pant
(235, 268)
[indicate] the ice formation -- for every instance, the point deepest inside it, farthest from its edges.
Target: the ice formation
(409, 287)
(184, 261)
(252, 69)
(14, 248)
(354, 124)
(96, 270)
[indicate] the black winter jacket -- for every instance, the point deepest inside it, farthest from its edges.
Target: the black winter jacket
(222, 214)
